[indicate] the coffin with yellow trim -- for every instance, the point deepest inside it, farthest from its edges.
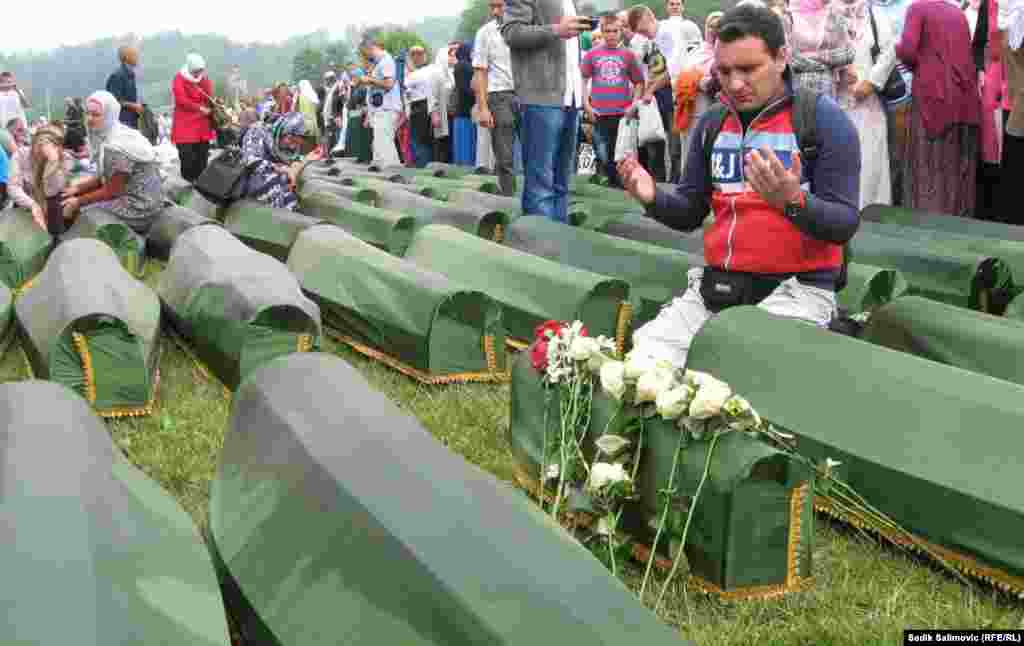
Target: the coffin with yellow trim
(93, 552)
(95, 223)
(415, 320)
(94, 328)
(266, 229)
(238, 307)
(24, 247)
(935, 447)
(168, 225)
(338, 519)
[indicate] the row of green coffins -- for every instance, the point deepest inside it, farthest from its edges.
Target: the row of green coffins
(93, 552)
(341, 520)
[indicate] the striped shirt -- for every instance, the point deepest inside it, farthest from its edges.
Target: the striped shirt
(612, 74)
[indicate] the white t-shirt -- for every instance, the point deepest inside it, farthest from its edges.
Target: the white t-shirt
(675, 35)
(490, 52)
(10, 107)
(385, 69)
(573, 78)
(417, 84)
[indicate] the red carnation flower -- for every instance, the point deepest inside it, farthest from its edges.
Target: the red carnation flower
(540, 332)
(539, 356)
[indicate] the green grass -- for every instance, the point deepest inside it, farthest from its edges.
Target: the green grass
(864, 593)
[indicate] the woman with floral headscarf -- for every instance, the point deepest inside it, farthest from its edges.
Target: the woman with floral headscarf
(858, 96)
(272, 156)
(128, 182)
(192, 128)
(819, 44)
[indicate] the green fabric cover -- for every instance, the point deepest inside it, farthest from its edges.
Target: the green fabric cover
(378, 185)
(239, 308)
(531, 289)
(102, 225)
(1015, 309)
(931, 446)
(93, 552)
(937, 272)
(340, 516)
(419, 317)
(194, 200)
(6, 316)
(176, 188)
(474, 182)
(739, 537)
(168, 225)
(868, 288)
(982, 343)
(641, 228)
(354, 193)
(266, 229)
(340, 171)
(472, 219)
(937, 222)
(654, 273)
(389, 230)
(512, 207)
(24, 248)
(84, 289)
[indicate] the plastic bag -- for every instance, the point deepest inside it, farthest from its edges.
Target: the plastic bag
(626, 142)
(651, 129)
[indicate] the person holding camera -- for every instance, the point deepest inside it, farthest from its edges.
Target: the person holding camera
(384, 102)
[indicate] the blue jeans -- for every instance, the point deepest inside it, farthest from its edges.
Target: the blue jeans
(549, 152)
(422, 152)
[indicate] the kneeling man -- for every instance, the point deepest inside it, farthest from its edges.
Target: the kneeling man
(780, 218)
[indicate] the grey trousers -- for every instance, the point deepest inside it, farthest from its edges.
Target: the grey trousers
(503, 107)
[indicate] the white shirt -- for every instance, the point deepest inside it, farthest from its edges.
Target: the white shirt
(639, 46)
(1010, 18)
(675, 34)
(10, 107)
(573, 77)
(385, 69)
(490, 52)
(417, 84)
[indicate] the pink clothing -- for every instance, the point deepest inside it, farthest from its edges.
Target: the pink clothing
(936, 46)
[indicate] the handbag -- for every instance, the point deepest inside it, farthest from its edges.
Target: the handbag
(626, 141)
(651, 129)
(224, 179)
(895, 89)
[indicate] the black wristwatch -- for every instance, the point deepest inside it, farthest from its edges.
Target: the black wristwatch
(795, 208)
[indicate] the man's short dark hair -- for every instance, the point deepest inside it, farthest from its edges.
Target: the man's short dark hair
(749, 20)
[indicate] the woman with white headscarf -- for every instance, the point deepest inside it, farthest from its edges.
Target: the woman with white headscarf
(192, 128)
(308, 103)
(442, 87)
(128, 182)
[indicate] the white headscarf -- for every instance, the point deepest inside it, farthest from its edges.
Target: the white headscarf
(443, 69)
(194, 63)
(306, 90)
(115, 135)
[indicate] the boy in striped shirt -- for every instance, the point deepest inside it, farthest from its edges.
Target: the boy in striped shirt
(613, 81)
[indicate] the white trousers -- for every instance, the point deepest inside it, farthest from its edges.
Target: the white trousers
(669, 335)
(384, 124)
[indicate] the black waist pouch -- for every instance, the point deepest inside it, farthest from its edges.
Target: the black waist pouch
(722, 289)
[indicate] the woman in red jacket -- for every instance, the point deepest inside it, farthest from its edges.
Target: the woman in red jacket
(192, 129)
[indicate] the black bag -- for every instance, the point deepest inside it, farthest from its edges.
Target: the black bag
(895, 90)
(722, 289)
(224, 179)
(376, 99)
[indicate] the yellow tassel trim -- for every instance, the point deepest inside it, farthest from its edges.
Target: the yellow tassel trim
(490, 355)
(622, 327)
(499, 233)
(90, 377)
(305, 343)
(796, 512)
(516, 345)
(463, 377)
(757, 592)
(966, 564)
(27, 285)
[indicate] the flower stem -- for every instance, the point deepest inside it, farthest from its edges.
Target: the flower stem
(689, 517)
(664, 516)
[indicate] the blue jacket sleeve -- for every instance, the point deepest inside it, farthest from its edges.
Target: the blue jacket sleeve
(685, 207)
(115, 85)
(831, 213)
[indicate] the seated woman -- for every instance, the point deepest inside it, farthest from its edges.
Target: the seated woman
(271, 153)
(128, 181)
(39, 174)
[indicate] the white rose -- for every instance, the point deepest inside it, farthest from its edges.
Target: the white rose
(582, 348)
(553, 471)
(597, 361)
(711, 396)
(637, 364)
(653, 383)
(603, 474)
(611, 445)
(673, 403)
(612, 379)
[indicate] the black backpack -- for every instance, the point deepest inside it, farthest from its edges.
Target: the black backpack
(805, 125)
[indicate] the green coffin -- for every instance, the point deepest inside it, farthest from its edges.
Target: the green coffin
(194, 200)
(266, 229)
(947, 223)
(512, 207)
(438, 169)
(641, 228)
(106, 227)
(941, 273)
(530, 289)
(654, 273)
(93, 552)
(982, 343)
(92, 327)
(341, 520)
(472, 219)
(168, 225)
(752, 531)
(388, 230)
(934, 447)
(238, 307)
(479, 183)
(344, 170)
(6, 319)
(415, 320)
(354, 193)
(868, 288)
(24, 248)
(176, 188)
